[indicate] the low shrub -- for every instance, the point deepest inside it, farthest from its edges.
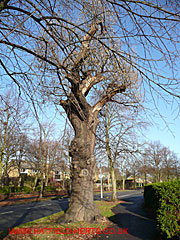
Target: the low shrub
(164, 200)
(14, 189)
(38, 188)
(49, 189)
(5, 190)
(119, 183)
(26, 189)
(46, 189)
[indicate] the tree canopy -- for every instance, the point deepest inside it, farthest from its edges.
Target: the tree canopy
(44, 42)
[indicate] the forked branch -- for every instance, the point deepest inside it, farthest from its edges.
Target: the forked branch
(112, 90)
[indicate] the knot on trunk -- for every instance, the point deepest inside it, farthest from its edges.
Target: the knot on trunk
(88, 161)
(80, 149)
(84, 173)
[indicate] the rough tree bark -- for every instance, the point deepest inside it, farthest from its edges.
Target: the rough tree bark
(114, 190)
(35, 182)
(82, 206)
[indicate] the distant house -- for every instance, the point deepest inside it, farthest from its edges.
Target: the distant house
(138, 180)
(57, 174)
(30, 169)
(26, 169)
(13, 172)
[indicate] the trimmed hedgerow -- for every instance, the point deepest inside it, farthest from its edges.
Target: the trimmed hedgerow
(10, 189)
(46, 189)
(164, 200)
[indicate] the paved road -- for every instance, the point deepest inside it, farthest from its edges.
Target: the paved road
(131, 221)
(14, 215)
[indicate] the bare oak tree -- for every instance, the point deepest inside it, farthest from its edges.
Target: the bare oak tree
(66, 51)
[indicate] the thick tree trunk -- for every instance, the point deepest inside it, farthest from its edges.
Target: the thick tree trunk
(123, 180)
(41, 187)
(123, 183)
(108, 182)
(63, 180)
(46, 179)
(19, 180)
(35, 182)
(134, 179)
(82, 206)
(145, 178)
(5, 173)
(114, 191)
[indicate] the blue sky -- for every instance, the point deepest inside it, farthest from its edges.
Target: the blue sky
(167, 138)
(166, 129)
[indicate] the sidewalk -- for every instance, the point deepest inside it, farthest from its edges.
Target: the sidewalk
(131, 222)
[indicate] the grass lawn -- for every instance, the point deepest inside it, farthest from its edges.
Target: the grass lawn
(47, 228)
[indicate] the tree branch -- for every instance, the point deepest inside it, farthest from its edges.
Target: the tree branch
(89, 82)
(33, 53)
(109, 94)
(83, 54)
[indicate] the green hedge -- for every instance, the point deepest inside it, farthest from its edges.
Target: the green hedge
(13, 189)
(46, 189)
(164, 200)
(7, 190)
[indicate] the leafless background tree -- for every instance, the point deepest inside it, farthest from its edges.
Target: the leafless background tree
(13, 126)
(117, 135)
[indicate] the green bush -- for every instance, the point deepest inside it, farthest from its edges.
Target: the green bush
(26, 189)
(164, 200)
(46, 189)
(13, 189)
(49, 189)
(38, 188)
(119, 183)
(5, 190)
(17, 189)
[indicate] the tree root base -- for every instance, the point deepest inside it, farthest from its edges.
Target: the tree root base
(65, 219)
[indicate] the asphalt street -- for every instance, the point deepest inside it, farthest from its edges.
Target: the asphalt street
(14, 215)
